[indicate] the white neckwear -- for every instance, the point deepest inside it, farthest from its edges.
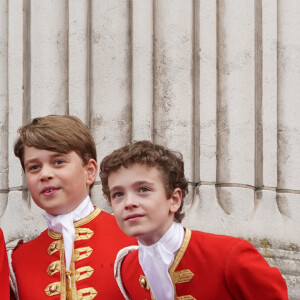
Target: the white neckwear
(64, 224)
(156, 260)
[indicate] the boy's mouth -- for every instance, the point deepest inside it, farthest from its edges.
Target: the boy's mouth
(133, 217)
(49, 190)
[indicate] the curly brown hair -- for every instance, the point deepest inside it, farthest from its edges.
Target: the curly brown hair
(169, 163)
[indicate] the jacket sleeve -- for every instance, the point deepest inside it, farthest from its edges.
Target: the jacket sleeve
(4, 274)
(249, 277)
(10, 247)
(118, 265)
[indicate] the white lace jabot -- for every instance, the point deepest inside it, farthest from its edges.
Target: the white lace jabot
(65, 224)
(156, 260)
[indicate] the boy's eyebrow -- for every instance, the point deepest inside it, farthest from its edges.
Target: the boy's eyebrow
(143, 182)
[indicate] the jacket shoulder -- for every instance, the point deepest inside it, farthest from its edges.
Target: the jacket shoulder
(31, 246)
(210, 239)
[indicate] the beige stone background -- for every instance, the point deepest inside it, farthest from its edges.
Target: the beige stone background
(217, 80)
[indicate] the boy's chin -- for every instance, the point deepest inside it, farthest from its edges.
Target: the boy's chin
(132, 234)
(56, 211)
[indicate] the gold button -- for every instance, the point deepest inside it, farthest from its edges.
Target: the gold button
(143, 282)
(53, 246)
(52, 267)
(53, 288)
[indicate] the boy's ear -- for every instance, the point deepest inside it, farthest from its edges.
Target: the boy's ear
(176, 200)
(91, 169)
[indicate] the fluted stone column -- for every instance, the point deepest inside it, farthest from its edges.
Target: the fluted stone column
(215, 80)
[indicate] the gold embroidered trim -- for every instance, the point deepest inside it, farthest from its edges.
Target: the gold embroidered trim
(85, 220)
(73, 272)
(89, 218)
(83, 273)
(68, 288)
(53, 289)
(183, 276)
(53, 268)
(178, 258)
(83, 234)
(87, 294)
(181, 252)
(81, 253)
(54, 235)
(54, 247)
(144, 283)
(63, 272)
(187, 297)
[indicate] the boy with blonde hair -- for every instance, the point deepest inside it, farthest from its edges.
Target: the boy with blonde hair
(145, 185)
(73, 258)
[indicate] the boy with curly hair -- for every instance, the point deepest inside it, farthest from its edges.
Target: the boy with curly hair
(145, 185)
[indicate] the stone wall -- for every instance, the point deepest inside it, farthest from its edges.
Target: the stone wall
(216, 80)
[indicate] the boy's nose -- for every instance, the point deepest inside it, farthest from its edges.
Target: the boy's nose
(130, 201)
(46, 173)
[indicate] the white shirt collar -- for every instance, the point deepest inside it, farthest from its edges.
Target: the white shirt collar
(65, 224)
(156, 260)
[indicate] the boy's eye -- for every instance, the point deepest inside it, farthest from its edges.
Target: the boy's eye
(33, 167)
(116, 195)
(144, 189)
(58, 162)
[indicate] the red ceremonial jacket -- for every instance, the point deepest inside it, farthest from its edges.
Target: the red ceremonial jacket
(211, 267)
(39, 265)
(4, 274)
